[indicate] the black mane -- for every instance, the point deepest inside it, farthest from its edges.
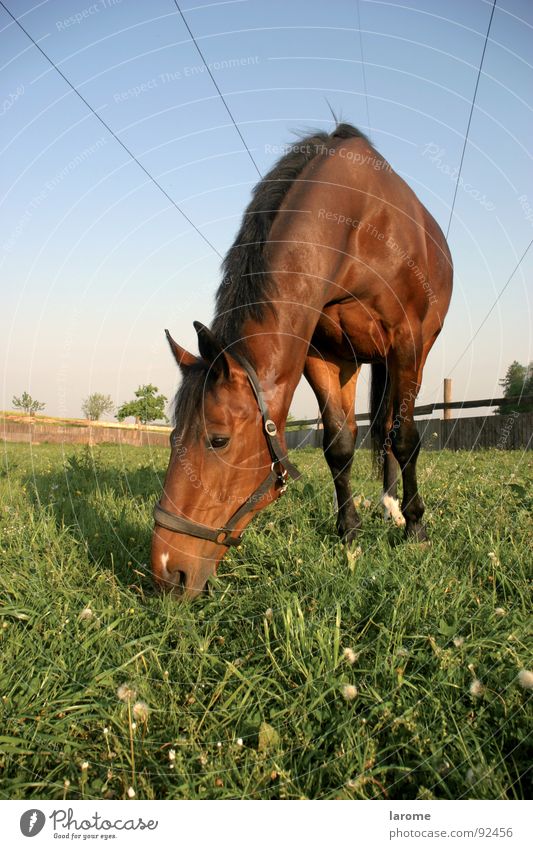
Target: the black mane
(246, 289)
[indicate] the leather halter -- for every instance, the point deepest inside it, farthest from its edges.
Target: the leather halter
(280, 469)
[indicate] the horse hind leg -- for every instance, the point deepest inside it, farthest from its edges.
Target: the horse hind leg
(381, 425)
(406, 373)
(334, 385)
(389, 496)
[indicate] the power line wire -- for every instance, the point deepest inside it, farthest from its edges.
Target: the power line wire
(500, 293)
(223, 99)
(108, 128)
(470, 117)
(363, 65)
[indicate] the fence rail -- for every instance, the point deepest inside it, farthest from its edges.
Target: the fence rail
(424, 409)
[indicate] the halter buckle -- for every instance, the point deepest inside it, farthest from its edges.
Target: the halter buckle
(270, 427)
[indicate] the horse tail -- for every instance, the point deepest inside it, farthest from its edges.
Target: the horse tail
(380, 401)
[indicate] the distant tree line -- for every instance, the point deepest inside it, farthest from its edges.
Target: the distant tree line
(518, 381)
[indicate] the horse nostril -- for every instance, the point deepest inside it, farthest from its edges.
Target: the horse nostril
(181, 578)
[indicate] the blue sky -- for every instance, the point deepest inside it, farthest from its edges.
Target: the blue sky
(96, 262)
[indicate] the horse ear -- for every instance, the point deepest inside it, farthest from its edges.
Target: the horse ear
(182, 357)
(211, 350)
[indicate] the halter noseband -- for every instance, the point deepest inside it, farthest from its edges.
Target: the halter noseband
(280, 469)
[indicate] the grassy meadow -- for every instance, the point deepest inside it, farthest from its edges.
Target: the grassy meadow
(309, 671)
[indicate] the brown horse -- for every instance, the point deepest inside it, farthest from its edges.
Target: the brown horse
(336, 264)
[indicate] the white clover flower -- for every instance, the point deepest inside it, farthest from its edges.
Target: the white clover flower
(172, 755)
(367, 503)
(85, 766)
(349, 691)
(494, 558)
(133, 726)
(349, 655)
(525, 679)
(140, 711)
(131, 793)
(476, 688)
(86, 613)
(66, 784)
(269, 613)
(126, 693)
(458, 642)
(239, 741)
(500, 611)
(106, 731)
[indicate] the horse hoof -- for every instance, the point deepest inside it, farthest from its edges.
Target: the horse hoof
(351, 535)
(417, 533)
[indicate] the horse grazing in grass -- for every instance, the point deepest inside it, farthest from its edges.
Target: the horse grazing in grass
(336, 264)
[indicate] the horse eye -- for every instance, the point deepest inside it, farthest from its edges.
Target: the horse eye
(217, 441)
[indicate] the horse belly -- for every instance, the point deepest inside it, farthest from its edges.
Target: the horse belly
(351, 331)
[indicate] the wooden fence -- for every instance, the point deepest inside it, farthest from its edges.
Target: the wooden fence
(514, 431)
(90, 435)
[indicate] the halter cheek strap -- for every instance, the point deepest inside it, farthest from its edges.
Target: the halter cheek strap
(280, 469)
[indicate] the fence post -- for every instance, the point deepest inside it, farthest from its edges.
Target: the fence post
(447, 398)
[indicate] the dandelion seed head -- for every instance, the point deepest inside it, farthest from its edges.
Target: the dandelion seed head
(349, 691)
(126, 693)
(525, 679)
(476, 688)
(349, 655)
(141, 711)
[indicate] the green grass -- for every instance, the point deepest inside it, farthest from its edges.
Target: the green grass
(261, 658)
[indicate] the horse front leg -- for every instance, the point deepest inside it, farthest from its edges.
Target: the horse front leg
(334, 383)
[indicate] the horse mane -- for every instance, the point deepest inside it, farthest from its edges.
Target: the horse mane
(245, 290)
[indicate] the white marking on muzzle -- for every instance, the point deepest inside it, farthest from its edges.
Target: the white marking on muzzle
(164, 560)
(391, 509)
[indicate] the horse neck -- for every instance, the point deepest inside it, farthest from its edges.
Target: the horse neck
(278, 348)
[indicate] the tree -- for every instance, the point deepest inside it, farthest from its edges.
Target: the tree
(27, 403)
(96, 405)
(517, 381)
(147, 408)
